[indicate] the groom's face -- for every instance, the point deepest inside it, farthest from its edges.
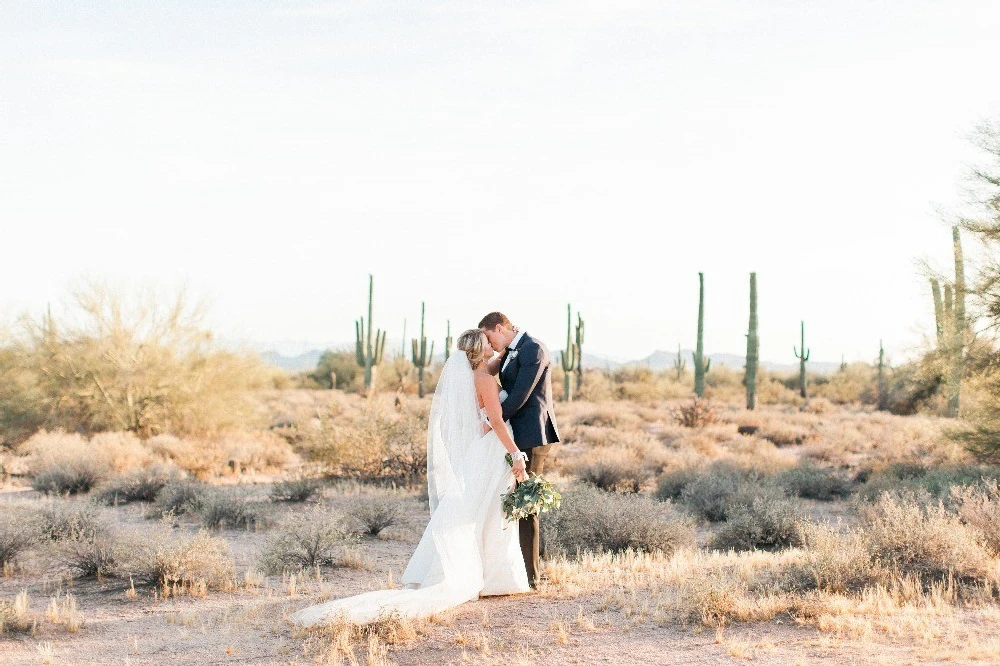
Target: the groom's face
(496, 337)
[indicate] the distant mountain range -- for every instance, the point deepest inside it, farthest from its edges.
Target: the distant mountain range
(658, 360)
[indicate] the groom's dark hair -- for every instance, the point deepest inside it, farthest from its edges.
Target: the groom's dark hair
(493, 319)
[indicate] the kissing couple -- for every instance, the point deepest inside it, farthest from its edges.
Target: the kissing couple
(468, 550)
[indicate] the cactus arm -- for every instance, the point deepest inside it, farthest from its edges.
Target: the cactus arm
(379, 347)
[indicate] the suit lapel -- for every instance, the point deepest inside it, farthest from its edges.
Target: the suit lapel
(503, 359)
(505, 371)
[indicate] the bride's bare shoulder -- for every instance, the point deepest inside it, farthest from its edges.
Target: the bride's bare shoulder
(484, 380)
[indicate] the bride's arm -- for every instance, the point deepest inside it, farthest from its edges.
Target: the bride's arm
(490, 392)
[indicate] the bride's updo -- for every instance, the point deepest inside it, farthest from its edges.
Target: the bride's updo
(473, 343)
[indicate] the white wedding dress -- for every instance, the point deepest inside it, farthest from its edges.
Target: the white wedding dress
(467, 550)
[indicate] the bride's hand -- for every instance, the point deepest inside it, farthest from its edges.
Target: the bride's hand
(520, 473)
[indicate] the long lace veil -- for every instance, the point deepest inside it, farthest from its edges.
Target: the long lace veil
(453, 425)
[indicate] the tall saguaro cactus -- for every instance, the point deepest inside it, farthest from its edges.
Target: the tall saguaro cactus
(753, 347)
(679, 363)
(701, 364)
(883, 394)
(579, 351)
(939, 313)
(570, 356)
(803, 356)
(448, 341)
(422, 356)
(369, 348)
(960, 328)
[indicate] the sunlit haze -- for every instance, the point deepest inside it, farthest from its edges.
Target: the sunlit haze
(513, 156)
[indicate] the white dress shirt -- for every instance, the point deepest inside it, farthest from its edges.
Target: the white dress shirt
(512, 346)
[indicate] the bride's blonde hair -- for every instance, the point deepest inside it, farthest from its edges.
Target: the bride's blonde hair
(473, 343)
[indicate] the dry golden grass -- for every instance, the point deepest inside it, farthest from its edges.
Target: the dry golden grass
(854, 581)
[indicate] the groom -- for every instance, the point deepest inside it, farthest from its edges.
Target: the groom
(525, 374)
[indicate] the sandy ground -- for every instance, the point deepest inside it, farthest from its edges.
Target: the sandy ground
(250, 628)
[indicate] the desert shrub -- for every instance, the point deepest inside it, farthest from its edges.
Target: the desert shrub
(179, 497)
(816, 405)
(221, 508)
(379, 445)
(593, 520)
(16, 618)
(613, 474)
(201, 459)
(19, 531)
(232, 453)
(672, 483)
(979, 508)
(295, 490)
(785, 434)
(136, 362)
(69, 477)
(308, 539)
(184, 561)
(837, 560)
(913, 387)
(337, 366)
(86, 539)
(713, 494)
(608, 416)
(925, 541)
(59, 520)
(96, 555)
(123, 451)
(771, 391)
(141, 485)
(63, 464)
(807, 480)
(765, 521)
(853, 384)
(22, 410)
(374, 513)
(695, 414)
(596, 386)
(908, 478)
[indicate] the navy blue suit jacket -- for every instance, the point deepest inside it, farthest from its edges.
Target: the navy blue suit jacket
(529, 406)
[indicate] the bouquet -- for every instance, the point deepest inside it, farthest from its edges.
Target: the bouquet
(530, 497)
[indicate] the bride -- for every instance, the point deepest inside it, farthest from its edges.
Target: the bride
(467, 550)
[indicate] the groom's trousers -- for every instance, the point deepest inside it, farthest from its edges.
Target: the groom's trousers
(528, 527)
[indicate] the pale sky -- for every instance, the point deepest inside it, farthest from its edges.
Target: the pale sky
(498, 155)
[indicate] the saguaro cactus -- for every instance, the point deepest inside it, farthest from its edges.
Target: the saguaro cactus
(579, 351)
(753, 347)
(883, 394)
(448, 341)
(938, 312)
(960, 327)
(803, 356)
(570, 356)
(422, 356)
(368, 349)
(701, 364)
(679, 364)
